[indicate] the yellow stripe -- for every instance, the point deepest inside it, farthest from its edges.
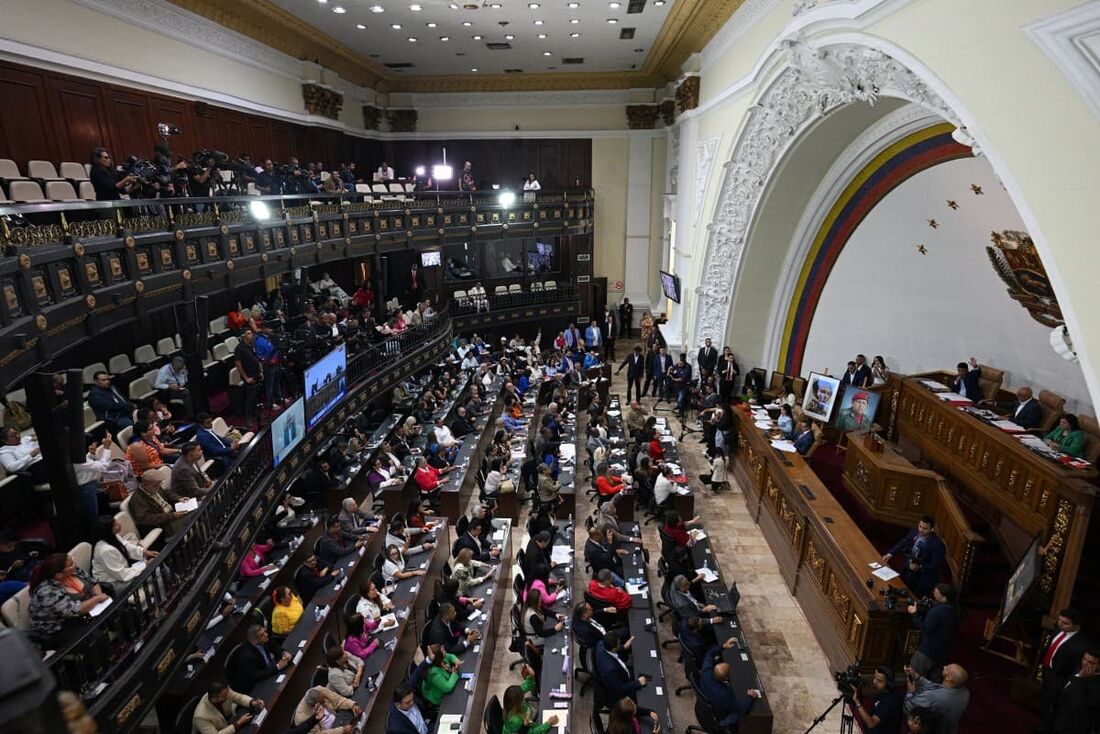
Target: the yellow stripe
(849, 191)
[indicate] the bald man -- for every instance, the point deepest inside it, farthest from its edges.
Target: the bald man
(948, 701)
(714, 684)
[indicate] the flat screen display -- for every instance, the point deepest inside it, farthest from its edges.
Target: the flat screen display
(287, 430)
(1021, 580)
(857, 409)
(670, 284)
(432, 258)
(326, 384)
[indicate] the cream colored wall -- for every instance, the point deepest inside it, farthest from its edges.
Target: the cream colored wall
(609, 157)
(500, 119)
(72, 28)
(1036, 130)
(656, 219)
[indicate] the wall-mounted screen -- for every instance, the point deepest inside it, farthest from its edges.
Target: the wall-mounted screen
(670, 284)
(431, 259)
(287, 430)
(326, 384)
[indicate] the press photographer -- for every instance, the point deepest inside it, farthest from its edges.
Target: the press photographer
(883, 716)
(108, 186)
(205, 172)
(938, 620)
(924, 553)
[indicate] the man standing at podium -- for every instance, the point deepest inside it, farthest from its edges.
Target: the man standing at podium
(924, 553)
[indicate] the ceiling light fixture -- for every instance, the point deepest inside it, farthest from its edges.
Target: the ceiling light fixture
(412, 39)
(509, 37)
(574, 5)
(444, 38)
(538, 22)
(495, 6)
(574, 35)
(542, 35)
(574, 21)
(658, 2)
(612, 21)
(396, 26)
(476, 38)
(546, 53)
(474, 69)
(339, 10)
(431, 25)
(453, 6)
(360, 26)
(377, 9)
(467, 23)
(614, 6)
(415, 8)
(533, 6)
(322, 1)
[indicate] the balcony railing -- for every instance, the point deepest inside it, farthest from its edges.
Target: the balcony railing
(514, 299)
(123, 657)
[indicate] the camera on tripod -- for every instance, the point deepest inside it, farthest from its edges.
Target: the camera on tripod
(849, 678)
(200, 157)
(891, 597)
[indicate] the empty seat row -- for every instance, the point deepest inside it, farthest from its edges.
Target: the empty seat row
(26, 192)
(45, 170)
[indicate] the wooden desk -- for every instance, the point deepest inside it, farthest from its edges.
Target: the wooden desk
(895, 491)
(822, 553)
(1004, 481)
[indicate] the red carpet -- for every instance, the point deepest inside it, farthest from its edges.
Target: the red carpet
(991, 709)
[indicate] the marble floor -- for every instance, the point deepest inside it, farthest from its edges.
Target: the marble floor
(794, 673)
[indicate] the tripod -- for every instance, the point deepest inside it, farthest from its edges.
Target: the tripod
(681, 413)
(847, 723)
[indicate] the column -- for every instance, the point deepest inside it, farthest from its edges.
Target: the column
(638, 194)
(677, 331)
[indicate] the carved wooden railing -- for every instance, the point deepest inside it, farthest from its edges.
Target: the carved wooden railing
(894, 491)
(73, 270)
(124, 658)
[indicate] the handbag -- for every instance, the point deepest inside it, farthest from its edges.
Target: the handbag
(507, 486)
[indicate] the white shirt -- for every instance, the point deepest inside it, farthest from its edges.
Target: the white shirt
(93, 467)
(444, 436)
(17, 458)
(1018, 409)
(386, 173)
(110, 565)
(663, 488)
(369, 609)
(167, 376)
(531, 185)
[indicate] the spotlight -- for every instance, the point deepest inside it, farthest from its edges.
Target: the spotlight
(259, 210)
(506, 199)
(420, 170)
(442, 172)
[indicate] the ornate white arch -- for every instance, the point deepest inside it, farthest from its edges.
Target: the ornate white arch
(814, 83)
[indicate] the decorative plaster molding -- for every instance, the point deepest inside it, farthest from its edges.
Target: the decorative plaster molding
(705, 152)
(674, 160)
(744, 20)
(1071, 39)
(815, 82)
(576, 98)
(174, 22)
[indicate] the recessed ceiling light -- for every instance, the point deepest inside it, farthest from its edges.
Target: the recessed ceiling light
(467, 23)
(533, 6)
(339, 10)
(360, 26)
(542, 35)
(658, 2)
(495, 6)
(474, 69)
(460, 54)
(377, 9)
(322, 1)
(453, 6)
(612, 21)
(614, 6)
(415, 8)
(546, 53)
(509, 37)
(574, 5)
(396, 26)
(444, 38)
(574, 21)
(476, 38)
(431, 25)
(574, 35)
(538, 22)
(412, 39)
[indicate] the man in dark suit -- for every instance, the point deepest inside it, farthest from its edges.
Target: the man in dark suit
(311, 577)
(635, 368)
(938, 624)
(483, 551)
(609, 330)
(443, 631)
(803, 437)
(108, 404)
(252, 662)
(405, 716)
(588, 632)
(599, 555)
(728, 372)
(1061, 660)
(613, 672)
(966, 382)
(538, 551)
(626, 317)
(1027, 412)
(714, 684)
(924, 555)
(337, 544)
(707, 359)
(1078, 707)
(661, 364)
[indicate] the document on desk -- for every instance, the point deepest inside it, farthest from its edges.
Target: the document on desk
(387, 622)
(885, 573)
(698, 534)
(98, 608)
(709, 576)
(563, 719)
(188, 506)
(953, 398)
(784, 446)
(1008, 426)
(933, 385)
(561, 554)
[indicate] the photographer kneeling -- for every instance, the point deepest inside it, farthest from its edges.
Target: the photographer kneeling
(884, 715)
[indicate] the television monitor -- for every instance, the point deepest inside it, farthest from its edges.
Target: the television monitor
(288, 429)
(670, 284)
(1027, 570)
(820, 397)
(431, 258)
(541, 258)
(326, 384)
(857, 409)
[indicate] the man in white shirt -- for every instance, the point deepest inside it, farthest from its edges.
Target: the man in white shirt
(88, 475)
(443, 434)
(172, 378)
(384, 173)
(664, 487)
(18, 454)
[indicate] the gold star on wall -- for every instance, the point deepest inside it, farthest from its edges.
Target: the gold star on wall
(952, 204)
(933, 224)
(977, 190)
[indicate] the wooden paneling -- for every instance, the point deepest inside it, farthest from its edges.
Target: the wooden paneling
(56, 117)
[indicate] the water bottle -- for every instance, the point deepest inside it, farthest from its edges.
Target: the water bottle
(370, 683)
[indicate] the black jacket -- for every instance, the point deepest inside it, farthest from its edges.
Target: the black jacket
(452, 638)
(635, 365)
(707, 358)
(1078, 707)
(330, 550)
(480, 548)
(620, 683)
(246, 667)
(602, 556)
(307, 583)
(398, 723)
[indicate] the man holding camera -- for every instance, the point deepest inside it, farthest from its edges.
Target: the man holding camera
(948, 700)
(883, 716)
(938, 620)
(924, 554)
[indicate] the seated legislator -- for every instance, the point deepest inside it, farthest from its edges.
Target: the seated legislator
(345, 671)
(322, 704)
(61, 595)
(427, 480)
(372, 602)
(613, 671)
(966, 382)
(312, 576)
(1067, 436)
(220, 449)
(599, 554)
(519, 716)
(253, 661)
(587, 631)
(117, 559)
(152, 506)
(144, 451)
(108, 404)
(803, 436)
(607, 485)
(405, 716)
(441, 677)
(187, 475)
(714, 684)
(483, 550)
(355, 522)
(337, 544)
(443, 631)
(286, 612)
(216, 711)
(255, 562)
(393, 568)
(604, 591)
(359, 640)
(1027, 412)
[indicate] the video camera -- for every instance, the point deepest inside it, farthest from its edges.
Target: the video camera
(199, 158)
(849, 678)
(892, 598)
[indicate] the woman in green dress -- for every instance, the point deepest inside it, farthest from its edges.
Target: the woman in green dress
(442, 677)
(518, 716)
(1067, 437)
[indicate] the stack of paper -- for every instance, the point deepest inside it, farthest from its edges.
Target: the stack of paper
(708, 575)
(563, 718)
(885, 573)
(634, 588)
(784, 446)
(561, 554)
(188, 506)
